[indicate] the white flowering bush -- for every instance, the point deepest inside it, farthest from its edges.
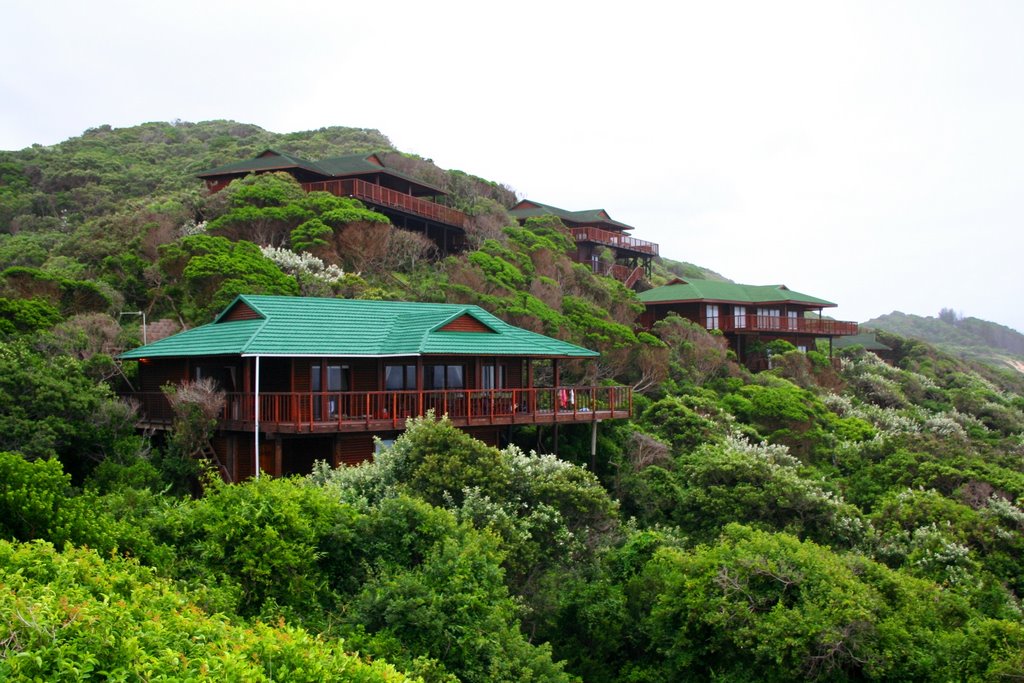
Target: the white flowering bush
(303, 265)
(190, 227)
(758, 483)
(944, 426)
(889, 420)
(545, 510)
(1006, 512)
(839, 404)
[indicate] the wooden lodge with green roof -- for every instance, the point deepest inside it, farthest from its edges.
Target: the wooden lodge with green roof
(596, 233)
(408, 202)
(748, 315)
(316, 379)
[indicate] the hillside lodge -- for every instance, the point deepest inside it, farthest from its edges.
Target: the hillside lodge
(317, 379)
(597, 234)
(415, 205)
(408, 203)
(747, 315)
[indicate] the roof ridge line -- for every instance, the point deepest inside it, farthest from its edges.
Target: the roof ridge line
(256, 332)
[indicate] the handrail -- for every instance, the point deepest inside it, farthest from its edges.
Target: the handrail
(613, 239)
(383, 409)
(633, 277)
(776, 323)
(384, 196)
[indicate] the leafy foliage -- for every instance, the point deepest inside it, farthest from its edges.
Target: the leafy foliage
(206, 273)
(74, 615)
(850, 521)
(49, 408)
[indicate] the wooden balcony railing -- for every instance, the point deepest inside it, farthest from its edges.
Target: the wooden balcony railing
(392, 199)
(775, 323)
(384, 410)
(626, 275)
(616, 240)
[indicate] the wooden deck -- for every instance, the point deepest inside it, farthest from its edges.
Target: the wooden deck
(616, 240)
(391, 199)
(781, 324)
(382, 411)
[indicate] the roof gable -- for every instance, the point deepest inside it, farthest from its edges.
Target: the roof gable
(465, 322)
(239, 309)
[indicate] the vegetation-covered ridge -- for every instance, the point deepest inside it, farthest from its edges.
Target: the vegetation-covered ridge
(849, 520)
(965, 336)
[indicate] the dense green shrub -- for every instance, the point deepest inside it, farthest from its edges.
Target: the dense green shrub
(76, 616)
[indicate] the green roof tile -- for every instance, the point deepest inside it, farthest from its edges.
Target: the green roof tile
(332, 167)
(693, 289)
(530, 209)
(300, 326)
(267, 161)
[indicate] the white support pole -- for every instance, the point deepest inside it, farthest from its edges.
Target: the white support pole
(256, 435)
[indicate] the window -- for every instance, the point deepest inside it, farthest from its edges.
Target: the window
(768, 318)
(492, 376)
(336, 376)
(444, 377)
(711, 316)
(793, 317)
(400, 377)
(739, 316)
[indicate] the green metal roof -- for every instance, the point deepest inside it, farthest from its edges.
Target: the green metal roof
(332, 167)
(306, 326)
(529, 209)
(693, 289)
(269, 160)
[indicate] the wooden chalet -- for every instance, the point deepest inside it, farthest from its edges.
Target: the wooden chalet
(409, 203)
(748, 315)
(594, 231)
(309, 378)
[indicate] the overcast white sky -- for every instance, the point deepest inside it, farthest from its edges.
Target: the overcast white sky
(870, 153)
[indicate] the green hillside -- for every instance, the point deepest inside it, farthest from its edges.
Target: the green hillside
(828, 519)
(967, 337)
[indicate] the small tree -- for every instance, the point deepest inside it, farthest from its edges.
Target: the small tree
(196, 406)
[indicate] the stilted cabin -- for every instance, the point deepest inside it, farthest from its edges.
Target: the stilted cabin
(409, 203)
(748, 315)
(595, 231)
(316, 379)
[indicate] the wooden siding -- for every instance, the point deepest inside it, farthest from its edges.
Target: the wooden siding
(466, 323)
(301, 374)
(154, 374)
(366, 374)
(353, 449)
(489, 435)
(240, 311)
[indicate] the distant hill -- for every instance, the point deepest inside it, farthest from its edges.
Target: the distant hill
(967, 337)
